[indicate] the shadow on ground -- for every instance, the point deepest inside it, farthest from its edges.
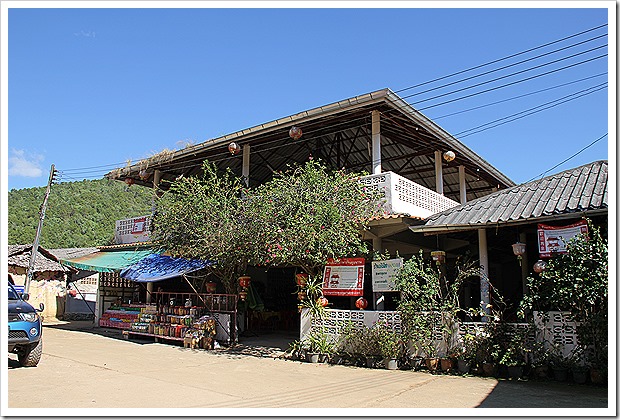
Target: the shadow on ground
(270, 344)
(545, 394)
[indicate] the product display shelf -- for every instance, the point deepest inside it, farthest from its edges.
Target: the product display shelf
(121, 317)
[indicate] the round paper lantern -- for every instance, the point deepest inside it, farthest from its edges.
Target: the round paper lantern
(361, 303)
(301, 279)
(211, 287)
(302, 295)
(243, 295)
(234, 148)
(322, 301)
(519, 249)
(539, 266)
(295, 133)
(449, 156)
(244, 281)
(129, 181)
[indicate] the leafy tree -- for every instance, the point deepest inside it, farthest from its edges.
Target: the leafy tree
(202, 218)
(308, 214)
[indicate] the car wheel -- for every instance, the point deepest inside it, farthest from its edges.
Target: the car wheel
(31, 356)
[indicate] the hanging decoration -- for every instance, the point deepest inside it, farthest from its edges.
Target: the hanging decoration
(129, 181)
(234, 148)
(295, 133)
(439, 257)
(244, 282)
(322, 301)
(449, 156)
(211, 287)
(301, 279)
(361, 303)
(143, 175)
(539, 266)
(519, 249)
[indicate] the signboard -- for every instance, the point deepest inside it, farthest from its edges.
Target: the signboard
(344, 277)
(384, 274)
(553, 239)
(133, 230)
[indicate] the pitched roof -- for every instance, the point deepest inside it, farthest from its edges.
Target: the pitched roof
(339, 134)
(19, 255)
(67, 253)
(578, 190)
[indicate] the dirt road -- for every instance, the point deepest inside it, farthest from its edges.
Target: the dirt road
(86, 370)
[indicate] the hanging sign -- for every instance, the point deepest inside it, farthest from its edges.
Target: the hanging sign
(132, 230)
(344, 277)
(384, 274)
(553, 239)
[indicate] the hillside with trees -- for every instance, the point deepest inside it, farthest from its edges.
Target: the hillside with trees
(79, 214)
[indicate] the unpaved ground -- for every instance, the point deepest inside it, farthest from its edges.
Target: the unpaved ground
(83, 369)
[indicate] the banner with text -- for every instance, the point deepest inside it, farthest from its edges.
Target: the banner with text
(136, 229)
(553, 239)
(384, 274)
(344, 277)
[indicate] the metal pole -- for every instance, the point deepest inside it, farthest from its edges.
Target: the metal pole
(35, 245)
(438, 172)
(462, 184)
(484, 272)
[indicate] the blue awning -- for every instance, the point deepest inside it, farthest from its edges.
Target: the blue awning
(156, 267)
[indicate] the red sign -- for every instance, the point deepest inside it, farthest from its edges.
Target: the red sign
(553, 239)
(344, 277)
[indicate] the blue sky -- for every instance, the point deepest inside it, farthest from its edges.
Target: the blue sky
(95, 87)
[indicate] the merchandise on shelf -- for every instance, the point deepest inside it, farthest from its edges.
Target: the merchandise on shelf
(120, 316)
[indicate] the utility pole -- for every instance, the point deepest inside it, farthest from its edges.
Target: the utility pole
(35, 245)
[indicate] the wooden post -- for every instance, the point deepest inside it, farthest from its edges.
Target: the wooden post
(376, 142)
(462, 185)
(438, 172)
(484, 271)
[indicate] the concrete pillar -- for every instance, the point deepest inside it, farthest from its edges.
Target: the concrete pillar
(438, 172)
(524, 264)
(156, 179)
(484, 270)
(376, 143)
(462, 185)
(376, 246)
(245, 171)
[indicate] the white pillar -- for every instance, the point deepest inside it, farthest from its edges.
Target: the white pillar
(376, 142)
(524, 264)
(438, 172)
(484, 269)
(376, 246)
(149, 291)
(462, 185)
(245, 171)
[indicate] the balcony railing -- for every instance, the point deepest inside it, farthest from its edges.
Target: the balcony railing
(407, 197)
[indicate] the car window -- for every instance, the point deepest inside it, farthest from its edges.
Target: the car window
(12, 293)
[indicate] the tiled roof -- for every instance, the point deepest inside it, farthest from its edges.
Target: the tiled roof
(19, 255)
(576, 190)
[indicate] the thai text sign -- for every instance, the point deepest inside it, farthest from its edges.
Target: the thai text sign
(132, 230)
(384, 274)
(553, 239)
(344, 277)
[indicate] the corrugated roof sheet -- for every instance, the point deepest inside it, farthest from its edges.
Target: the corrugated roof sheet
(575, 190)
(19, 255)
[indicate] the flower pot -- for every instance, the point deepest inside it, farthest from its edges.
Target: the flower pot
(390, 364)
(432, 363)
(560, 374)
(515, 372)
(416, 362)
(541, 372)
(447, 364)
(336, 359)
(463, 366)
(312, 357)
(489, 369)
(580, 375)
(596, 376)
(370, 361)
(324, 358)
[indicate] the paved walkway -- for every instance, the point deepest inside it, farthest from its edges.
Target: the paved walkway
(94, 368)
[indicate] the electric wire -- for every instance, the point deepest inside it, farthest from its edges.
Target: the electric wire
(541, 175)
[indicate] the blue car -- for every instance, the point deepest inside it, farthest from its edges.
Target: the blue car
(24, 329)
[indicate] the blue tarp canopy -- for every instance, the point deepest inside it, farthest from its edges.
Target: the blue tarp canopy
(156, 267)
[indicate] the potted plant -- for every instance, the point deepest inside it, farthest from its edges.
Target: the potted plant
(369, 345)
(466, 352)
(391, 347)
(295, 350)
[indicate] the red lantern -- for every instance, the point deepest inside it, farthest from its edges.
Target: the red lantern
(243, 295)
(539, 266)
(361, 303)
(244, 281)
(295, 133)
(322, 301)
(211, 287)
(234, 148)
(301, 279)
(129, 181)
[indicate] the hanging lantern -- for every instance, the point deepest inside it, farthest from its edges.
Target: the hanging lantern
(301, 279)
(539, 266)
(243, 295)
(129, 181)
(211, 287)
(234, 148)
(143, 175)
(439, 257)
(449, 156)
(361, 303)
(295, 133)
(322, 301)
(244, 281)
(302, 295)
(519, 250)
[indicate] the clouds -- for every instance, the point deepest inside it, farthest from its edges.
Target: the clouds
(25, 164)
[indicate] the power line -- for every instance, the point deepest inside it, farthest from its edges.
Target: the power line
(502, 59)
(569, 158)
